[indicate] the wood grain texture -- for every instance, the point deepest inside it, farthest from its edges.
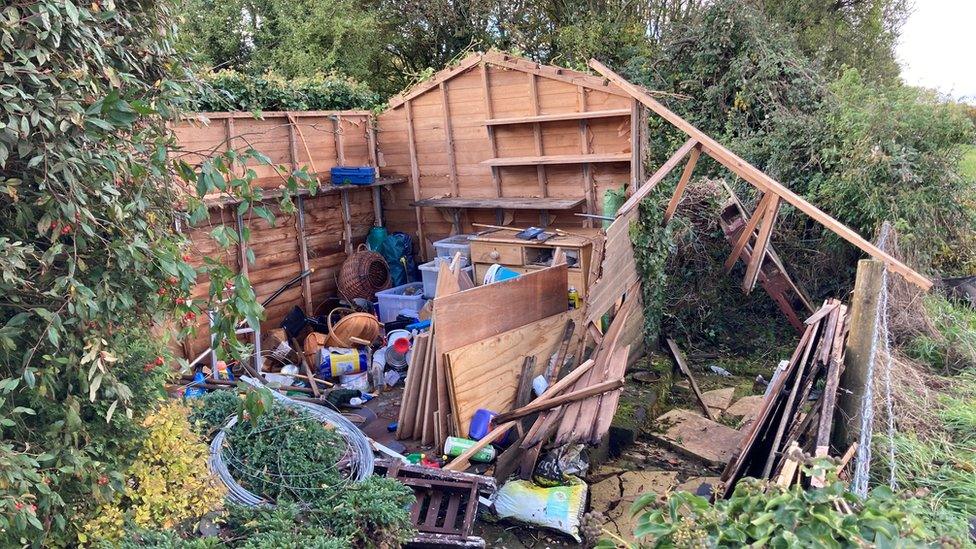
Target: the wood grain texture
(486, 311)
(486, 374)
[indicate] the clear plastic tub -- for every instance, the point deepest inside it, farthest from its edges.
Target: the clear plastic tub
(408, 296)
(429, 270)
(449, 246)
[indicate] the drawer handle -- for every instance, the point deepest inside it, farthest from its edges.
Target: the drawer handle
(494, 254)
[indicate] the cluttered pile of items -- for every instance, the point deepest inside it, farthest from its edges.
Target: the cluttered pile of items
(503, 379)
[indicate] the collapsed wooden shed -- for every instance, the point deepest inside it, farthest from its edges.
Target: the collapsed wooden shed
(496, 139)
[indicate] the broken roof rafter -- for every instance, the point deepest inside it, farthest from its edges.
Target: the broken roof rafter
(507, 61)
(754, 176)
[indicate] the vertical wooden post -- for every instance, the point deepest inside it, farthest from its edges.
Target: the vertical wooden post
(537, 133)
(229, 133)
(415, 178)
(589, 188)
(340, 142)
(375, 162)
(303, 253)
(346, 220)
(496, 179)
(292, 142)
(449, 141)
(857, 357)
(635, 159)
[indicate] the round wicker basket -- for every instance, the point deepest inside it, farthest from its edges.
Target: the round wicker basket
(363, 274)
(364, 326)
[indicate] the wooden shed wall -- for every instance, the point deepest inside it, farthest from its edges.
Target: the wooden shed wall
(277, 248)
(451, 141)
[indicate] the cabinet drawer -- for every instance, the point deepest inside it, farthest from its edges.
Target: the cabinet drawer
(490, 252)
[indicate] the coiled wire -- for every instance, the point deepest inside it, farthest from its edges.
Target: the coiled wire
(359, 450)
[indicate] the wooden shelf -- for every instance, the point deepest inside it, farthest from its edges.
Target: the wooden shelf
(218, 200)
(557, 117)
(505, 203)
(558, 159)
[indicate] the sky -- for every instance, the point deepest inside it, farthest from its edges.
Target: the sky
(937, 48)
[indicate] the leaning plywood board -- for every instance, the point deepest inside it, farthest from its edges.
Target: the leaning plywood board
(485, 374)
(486, 311)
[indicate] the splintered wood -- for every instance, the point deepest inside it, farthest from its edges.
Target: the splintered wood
(785, 421)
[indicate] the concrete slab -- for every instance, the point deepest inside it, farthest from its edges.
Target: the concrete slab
(694, 483)
(746, 407)
(614, 496)
(718, 400)
(698, 437)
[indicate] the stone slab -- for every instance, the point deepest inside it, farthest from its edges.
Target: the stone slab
(698, 437)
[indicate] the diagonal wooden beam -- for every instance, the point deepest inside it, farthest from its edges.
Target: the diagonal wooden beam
(759, 250)
(759, 179)
(660, 174)
(747, 232)
(682, 183)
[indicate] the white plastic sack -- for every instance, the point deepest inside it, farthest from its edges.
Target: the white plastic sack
(560, 508)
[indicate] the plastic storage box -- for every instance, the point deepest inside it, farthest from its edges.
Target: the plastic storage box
(353, 175)
(449, 246)
(429, 270)
(408, 296)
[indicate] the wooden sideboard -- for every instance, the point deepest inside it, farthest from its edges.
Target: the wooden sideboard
(522, 256)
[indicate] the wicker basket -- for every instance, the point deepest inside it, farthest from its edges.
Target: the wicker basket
(363, 274)
(359, 325)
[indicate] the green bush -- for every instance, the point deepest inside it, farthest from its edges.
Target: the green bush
(764, 514)
(233, 91)
(211, 411)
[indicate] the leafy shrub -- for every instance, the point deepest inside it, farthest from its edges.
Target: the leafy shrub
(168, 483)
(766, 514)
(211, 411)
(233, 91)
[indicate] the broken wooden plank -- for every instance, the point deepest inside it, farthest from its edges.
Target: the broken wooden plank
(658, 176)
(679, 359)
(574, 396)
(762, 242)
(682, 183)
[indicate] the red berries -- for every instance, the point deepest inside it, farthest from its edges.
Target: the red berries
(172, 280)
(66, 229)
(190, 315)
(102, 480)
(187, 257)
(180, 301)
(159, 361)
(148, 367)
(161, 291)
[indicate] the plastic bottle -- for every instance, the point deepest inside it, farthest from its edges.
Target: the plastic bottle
(574, 298)
(195, 389)
(455, 446)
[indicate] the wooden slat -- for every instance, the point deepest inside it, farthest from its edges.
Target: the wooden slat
(449, 140)
(496, 180)
(508, 203)
(535, 119)
(537, 135)
(679, 359)
(748, 232)
(415, 177)
(303, 253)
(682, 183)
(589, 188)
(486, 311)
(753, 175)
(762, 242)
(658, 176)
(558, 159)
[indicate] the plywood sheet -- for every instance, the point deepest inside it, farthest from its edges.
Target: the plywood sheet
(485, 374)
(618, 271)
(486, 311)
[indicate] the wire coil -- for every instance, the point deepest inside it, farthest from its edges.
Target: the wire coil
(359, 450)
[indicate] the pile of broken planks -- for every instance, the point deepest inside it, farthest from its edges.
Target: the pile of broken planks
(786, 424)
(487, 344)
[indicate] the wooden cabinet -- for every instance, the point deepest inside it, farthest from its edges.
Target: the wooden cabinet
(522, 256)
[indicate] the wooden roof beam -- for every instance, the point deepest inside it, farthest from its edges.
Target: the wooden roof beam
(759, 179)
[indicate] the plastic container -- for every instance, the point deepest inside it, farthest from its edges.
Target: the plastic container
(449, 246)
(341, 362)
(480, 423)
(353, 175)
(429, 271)
(497, 273)
(408, 297)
